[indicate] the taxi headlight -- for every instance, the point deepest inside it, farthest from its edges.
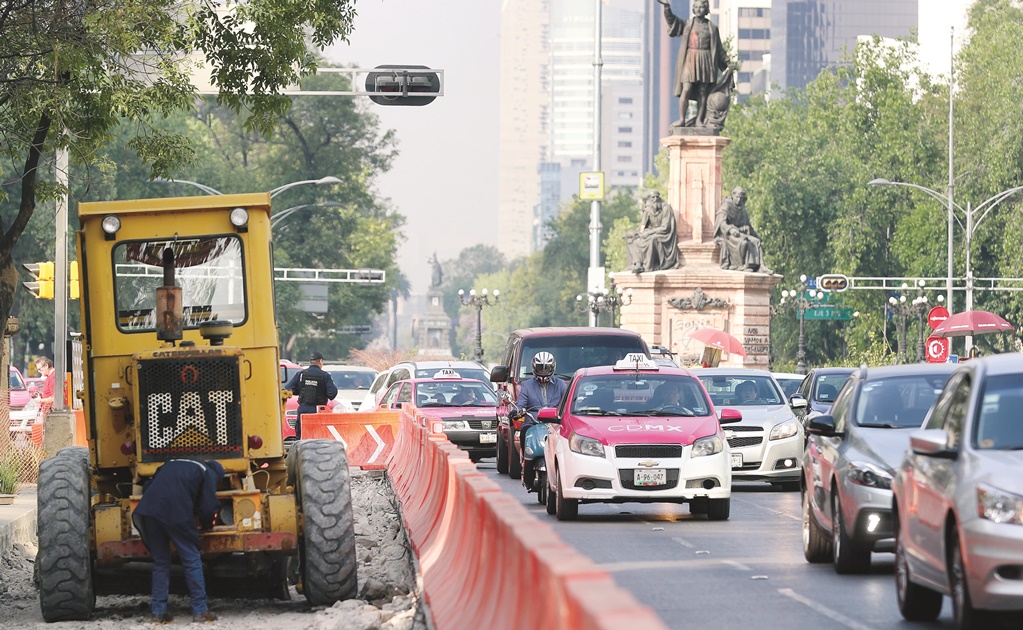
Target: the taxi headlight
(869, 475)
(585, 445)
(456, 425)
(785, 430)
(707, 446)
(999, 506)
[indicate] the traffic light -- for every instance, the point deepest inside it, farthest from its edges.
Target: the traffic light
(403, 85)
(73, 290)
(42, 272)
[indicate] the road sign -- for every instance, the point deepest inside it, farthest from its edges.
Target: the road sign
(828, 311)
(937, 349)
(936, 315)
(835, 282)
(358, 329)
(591, 185)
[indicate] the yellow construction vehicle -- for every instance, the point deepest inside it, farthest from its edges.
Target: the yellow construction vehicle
(181, 360)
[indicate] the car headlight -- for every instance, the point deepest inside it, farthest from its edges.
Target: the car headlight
(456, 425)
(869, 475)
(707, 446)
(585, 445)
(999, 506)
(785, 430)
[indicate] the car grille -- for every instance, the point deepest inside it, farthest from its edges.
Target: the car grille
(292, 419)
(740, 442)
(663, 451)
(625, 476)
(482, 424)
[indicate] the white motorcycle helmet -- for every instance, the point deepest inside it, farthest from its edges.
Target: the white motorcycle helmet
(544, 366)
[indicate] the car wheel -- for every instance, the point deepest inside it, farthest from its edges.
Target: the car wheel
(816, 544)
(514, 463)
(718, 509)
(963, 612)
(916, 603)
(551, 497)
(787, 486)
(565, 509)
(502, 456)
(541, 487)
(848, 555)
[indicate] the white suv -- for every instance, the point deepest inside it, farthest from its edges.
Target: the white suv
(418, 369)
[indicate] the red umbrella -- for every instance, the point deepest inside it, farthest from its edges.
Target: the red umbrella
(972, 323)
(719, 339)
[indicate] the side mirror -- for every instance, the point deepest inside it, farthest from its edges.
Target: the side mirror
(548, 414)
(823, 425)
(796, 401)
(499, 374)
(729, 416)
(932, 443)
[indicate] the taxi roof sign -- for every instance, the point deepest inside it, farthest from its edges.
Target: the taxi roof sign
(447, 373)
(636, 361)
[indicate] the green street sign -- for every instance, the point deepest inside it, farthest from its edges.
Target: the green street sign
(828, 311)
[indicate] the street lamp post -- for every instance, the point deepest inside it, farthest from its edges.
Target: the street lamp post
(801, 300)
(902, 308)
(277, 217)
(209, 190)
(601, 300)
(478, 301)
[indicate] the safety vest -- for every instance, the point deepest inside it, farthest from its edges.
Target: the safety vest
(310, 388)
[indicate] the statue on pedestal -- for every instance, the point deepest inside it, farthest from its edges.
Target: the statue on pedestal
(437, 274)
(739, 242)
(700, 57)
(654, 245)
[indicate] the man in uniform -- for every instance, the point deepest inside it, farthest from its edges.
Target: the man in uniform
(314, 388)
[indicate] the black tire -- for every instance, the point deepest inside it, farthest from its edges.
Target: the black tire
(565, 509)
(718, 509)
(502, 456)
(552, 503)
(75, 452)
(541, 487)
(327, 544)
(514, 463)
(64, 564)
(787, 486)
(816, 544)
(698, 506)
(916, 603)
(848, 555)
(964, 614)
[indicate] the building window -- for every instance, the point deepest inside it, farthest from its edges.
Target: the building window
(754, 33)
(625, 100)
(748, 12)
(625, 130)
(624, 158)
(624, 144)
(625, 115)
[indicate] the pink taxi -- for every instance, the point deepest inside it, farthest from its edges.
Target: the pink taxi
(637, 432)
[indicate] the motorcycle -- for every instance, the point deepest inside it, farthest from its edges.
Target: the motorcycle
(535, 441)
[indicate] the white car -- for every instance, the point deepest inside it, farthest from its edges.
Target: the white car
(352, 381)
(418, 369)
(768, 444)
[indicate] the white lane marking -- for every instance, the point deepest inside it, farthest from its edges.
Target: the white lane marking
(738, 565)
(337, 436)
(380, 443)
(683, 542)
(824, 610)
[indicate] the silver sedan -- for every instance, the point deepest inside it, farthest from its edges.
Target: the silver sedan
(959, 499)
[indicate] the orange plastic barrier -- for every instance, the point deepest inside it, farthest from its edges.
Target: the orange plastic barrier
(486, 561)
(368, 437)
(80, 438)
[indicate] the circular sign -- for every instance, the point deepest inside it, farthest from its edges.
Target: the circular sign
(937, 349)
(936, 315)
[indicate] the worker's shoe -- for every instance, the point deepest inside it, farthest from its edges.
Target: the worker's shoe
(161, 619)
(207, 617)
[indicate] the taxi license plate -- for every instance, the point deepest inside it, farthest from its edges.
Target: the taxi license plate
(736, 460)
(488, 438)
(651, 477)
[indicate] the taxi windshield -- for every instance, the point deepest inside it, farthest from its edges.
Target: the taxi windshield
(209, 270)
(648, 394)
(455, 393)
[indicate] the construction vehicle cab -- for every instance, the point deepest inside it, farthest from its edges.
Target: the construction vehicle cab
(181, 361)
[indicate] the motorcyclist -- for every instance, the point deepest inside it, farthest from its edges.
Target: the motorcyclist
(543, 390)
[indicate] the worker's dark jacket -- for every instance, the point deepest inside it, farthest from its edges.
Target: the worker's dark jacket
(313, 387)
(181, 490)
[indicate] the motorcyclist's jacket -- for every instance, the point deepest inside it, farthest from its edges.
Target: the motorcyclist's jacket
(536, 395)
(313, 387)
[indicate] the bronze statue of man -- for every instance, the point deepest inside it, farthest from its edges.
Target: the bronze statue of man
(654, 246)
(699, 59)
(740, 244)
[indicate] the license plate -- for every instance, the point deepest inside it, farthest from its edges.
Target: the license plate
(736, 460)
(649, 477)
(488, 438)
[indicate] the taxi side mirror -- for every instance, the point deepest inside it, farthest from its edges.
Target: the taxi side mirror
(729, 416)
(548, 414)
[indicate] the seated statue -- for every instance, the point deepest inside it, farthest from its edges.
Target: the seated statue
(739, 242)
(654, 245)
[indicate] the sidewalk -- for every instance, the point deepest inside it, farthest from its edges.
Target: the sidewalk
(18, 520)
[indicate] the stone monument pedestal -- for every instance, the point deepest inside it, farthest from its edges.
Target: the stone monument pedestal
(432, 331)
(668, 305)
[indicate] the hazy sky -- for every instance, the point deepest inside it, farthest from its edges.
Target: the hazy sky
(445, 179)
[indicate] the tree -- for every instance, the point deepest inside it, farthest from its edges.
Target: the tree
(83, 67)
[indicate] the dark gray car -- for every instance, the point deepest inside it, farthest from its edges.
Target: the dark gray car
(851, 457)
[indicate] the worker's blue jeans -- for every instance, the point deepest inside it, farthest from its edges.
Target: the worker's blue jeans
(157, 537)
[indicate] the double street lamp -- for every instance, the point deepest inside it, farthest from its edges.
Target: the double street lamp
(601, 300)
(478, 301)
(902, 308)
(801, 300)
(209, 190)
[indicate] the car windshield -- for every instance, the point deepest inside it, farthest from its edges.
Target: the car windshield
(828, 385)
(897, 402)
(578, 351)
(646, 394)
(742, 390)
(15, 381)
(789, 385)
(999, 425)
(455, 393)
(350, 379)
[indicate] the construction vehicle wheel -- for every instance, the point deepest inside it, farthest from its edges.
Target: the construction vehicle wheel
(64, 566)
(327, 543)
(75, 452)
